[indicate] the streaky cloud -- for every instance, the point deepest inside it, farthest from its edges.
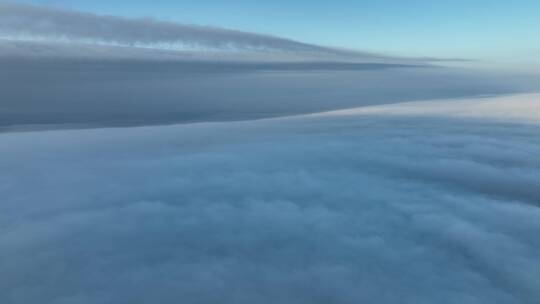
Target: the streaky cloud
(19, 20)
(92, 34)
(523, 108)
(118, 92)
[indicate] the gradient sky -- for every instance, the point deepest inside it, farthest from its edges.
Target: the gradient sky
(490, 30)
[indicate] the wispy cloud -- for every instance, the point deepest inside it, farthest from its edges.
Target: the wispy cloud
(52, 27)
(18, 20)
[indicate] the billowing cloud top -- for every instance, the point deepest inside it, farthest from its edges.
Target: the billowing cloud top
(383, 207)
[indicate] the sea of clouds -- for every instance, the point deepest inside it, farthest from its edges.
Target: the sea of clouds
(379, 205)
(419, 202)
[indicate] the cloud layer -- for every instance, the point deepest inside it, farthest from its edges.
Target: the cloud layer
(63, 68)
(98, 93)
(89, 34)
(18, 20)
(518, 108)
(327, 209)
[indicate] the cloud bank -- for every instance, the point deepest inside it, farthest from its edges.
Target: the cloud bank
(371, 207)
(89, 34)
(62, 68)
(114, 93)
(19, 20)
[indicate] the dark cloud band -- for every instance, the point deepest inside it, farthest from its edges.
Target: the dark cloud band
(328, 209)
(35, 21)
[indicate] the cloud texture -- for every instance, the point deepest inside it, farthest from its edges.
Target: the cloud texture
(95, 93)
(18, 20)
(90, 34)
(62, 68)
(370, 207)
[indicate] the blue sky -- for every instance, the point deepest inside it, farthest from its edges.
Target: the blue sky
(504, 31)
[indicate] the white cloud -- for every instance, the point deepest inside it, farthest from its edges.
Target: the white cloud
(519, 108)
(323, 209)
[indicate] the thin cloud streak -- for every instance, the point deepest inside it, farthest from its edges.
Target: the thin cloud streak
(53, 26)
(18, 20)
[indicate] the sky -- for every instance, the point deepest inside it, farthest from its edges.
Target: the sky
(81, 63)
(208, 73)
(247, 152)
(496, 30)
